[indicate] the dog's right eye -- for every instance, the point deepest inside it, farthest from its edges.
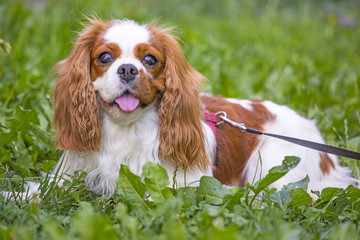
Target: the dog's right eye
(105, 58)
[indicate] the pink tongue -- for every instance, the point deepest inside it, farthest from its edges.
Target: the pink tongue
(127, 102)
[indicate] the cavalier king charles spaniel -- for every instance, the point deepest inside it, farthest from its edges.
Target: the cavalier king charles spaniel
(127, 95)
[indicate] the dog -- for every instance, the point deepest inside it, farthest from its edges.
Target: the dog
(127, 95)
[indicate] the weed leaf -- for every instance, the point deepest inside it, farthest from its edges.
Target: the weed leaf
(156, 181)
(303, 183)
(88, 224)
(23, 161)
(353, 194)
(294, 193)
(275, 173)
(300, 197)
(329, 193)
(344, 231)
(131, 188)
(211, 191)
(19, 123)
(282, 197)
(5, 154)
(174, 230)
(187, 194)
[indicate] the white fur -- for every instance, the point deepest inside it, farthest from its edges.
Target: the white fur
(31, 190)
(272, 151)
(247, 104)
(126, 34)
(109, 85)
(133, 145)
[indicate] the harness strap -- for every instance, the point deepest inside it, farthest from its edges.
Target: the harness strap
(211, 121)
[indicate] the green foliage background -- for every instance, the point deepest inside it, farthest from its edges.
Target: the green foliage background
(299, 53)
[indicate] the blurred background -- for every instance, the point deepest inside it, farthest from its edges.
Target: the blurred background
(304, 54)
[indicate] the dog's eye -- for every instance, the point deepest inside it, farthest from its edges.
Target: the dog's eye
(105, 58)
(149, 60)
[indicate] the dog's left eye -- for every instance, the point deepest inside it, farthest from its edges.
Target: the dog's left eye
(105, 58)
(149, 60)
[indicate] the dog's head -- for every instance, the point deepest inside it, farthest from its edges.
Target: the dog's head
(121, 69)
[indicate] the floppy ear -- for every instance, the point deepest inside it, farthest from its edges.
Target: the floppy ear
(77, 116)
(180, 113)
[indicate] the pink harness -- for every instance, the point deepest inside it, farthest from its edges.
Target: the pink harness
(211, 121)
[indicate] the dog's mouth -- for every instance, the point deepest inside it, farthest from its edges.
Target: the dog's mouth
(126, 102)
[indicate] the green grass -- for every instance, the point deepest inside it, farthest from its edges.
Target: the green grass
(292, 52)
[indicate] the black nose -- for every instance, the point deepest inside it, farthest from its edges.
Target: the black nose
(127, 72)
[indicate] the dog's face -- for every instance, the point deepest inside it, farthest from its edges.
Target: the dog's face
(127, 71)
(121, 69)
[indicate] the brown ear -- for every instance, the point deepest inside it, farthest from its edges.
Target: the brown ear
(77, 117)
(180, 113)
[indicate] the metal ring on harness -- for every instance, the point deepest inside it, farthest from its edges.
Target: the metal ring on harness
(224, 115)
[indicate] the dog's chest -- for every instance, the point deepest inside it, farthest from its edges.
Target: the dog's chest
(133, 145)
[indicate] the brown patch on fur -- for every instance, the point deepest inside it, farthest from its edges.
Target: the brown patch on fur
(180, 133)
(97, 69)
(236, 147)
(143, 49)
(325, 163)
(76, 117)
(149, 89)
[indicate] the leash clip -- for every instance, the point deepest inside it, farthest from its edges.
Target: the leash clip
(223, 116)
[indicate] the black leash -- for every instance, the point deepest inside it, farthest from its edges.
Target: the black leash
(301, 142)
